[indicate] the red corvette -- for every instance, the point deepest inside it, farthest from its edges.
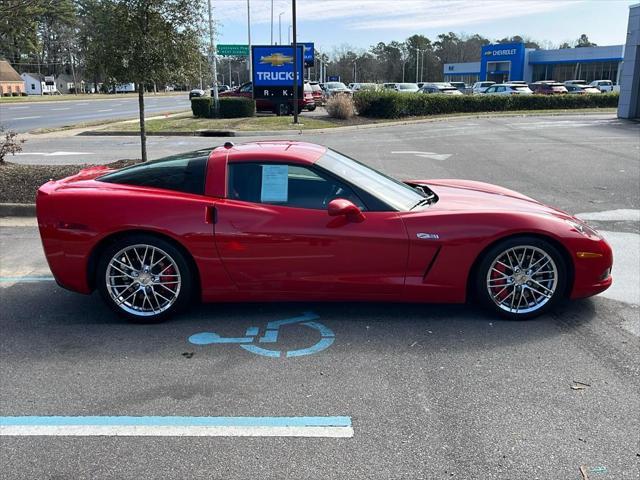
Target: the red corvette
(289, 221)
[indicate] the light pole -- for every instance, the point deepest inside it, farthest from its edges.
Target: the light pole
(290, 26)
(295, 64)
(212, 59)
(248, 35)
(280, 28)
(271, 22)
(417, 59)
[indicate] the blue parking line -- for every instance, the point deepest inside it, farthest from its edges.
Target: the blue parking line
(27, 279)
(339, 421)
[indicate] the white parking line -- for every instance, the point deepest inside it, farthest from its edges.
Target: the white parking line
(27, 118)
(332, 427)
(60, 109)
(106, 110)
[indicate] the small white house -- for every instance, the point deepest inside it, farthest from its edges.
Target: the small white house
(37, 84)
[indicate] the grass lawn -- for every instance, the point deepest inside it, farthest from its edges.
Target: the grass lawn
(186, 123)
(81, 97)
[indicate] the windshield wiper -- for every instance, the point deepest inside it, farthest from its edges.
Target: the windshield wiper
(425, 201)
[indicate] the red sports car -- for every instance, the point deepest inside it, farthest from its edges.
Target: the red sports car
(268, 221)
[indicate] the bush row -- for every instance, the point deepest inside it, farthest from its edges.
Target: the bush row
(229, 107)
(396, 105)
(14, 94)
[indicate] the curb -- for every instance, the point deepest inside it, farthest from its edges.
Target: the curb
(365, 126)
(17, 209)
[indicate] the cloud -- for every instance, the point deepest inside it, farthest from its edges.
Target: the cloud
(388, 14)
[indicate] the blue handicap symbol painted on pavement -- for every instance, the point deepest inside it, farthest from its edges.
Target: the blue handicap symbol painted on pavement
(248, 342)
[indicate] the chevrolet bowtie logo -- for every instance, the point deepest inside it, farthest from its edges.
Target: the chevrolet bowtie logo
(276, 59)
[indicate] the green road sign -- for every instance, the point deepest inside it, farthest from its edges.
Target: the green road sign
(233, 50)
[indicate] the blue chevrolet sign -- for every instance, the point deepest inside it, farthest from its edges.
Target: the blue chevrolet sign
(502, 62)
(309, 55)
(273, 66)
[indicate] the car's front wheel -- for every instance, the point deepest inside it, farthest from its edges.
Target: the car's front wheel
(521, 278)
(144, 278)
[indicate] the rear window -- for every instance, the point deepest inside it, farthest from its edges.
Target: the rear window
(180, 173)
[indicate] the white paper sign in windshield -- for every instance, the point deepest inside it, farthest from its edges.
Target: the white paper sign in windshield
(275, 183)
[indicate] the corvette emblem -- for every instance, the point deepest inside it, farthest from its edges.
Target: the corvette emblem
(427, 236)
(276, 59)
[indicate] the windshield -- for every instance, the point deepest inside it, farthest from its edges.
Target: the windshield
(336, 85)
(391, 191)
(407, 86)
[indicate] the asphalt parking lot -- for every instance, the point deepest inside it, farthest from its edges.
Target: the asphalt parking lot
(419, 391)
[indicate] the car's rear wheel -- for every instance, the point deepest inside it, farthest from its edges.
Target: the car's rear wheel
(521, 278)
(144, 278)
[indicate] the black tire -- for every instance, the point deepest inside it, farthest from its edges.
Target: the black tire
(524, 286)
(311, 108)
(176, 272)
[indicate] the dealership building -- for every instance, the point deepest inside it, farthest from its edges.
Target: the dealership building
(512, 61)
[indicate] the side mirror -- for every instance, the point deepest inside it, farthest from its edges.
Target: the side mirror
(343, 207)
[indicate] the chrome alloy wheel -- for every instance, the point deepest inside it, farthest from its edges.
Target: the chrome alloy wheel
(522, 279)
(143, 280)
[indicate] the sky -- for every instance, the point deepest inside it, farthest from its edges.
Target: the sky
(361, 23)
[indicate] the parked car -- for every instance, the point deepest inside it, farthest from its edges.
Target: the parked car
(265, 104)
(389, 86)
(308, 91)
(578, 89)
(604, 86)
(480, 87)
(406, 88)
(508, 89)
(316, 92)
(548, 88)
(196, 92)
(309, 234)
(440, 87)
(364, 86)
(574, 82)
(460, 86)
(335, 88)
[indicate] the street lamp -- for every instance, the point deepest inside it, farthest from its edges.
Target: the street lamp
(280, 28)
(271, 22)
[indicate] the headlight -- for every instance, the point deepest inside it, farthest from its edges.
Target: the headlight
(583, 228)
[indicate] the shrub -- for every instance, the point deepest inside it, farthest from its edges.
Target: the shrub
(24, 94)
(15, 94)
(201, 107)
(6, 94)
(396, 105)
(230, 107)
(340, 106)
(236, 107)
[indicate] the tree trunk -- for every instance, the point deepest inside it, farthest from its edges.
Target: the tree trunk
(143, 132)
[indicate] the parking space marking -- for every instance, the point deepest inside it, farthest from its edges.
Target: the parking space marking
(175, 426)
(431, 155)
(272, 331)
(26, 279)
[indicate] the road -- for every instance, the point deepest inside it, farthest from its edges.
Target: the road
(25, 117)
(432, 391)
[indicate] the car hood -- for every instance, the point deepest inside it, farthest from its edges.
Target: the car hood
(469, 195)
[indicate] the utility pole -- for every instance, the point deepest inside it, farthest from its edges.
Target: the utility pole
(280, 28)
(271, 22)
(417, 58)
(249, 66)
(295, 66)
(212, 60)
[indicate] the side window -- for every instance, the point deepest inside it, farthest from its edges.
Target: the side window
(490, 90)
(246, 88)
(287, 185)
(501, 89)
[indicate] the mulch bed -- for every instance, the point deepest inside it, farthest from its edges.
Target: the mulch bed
(19, 183)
